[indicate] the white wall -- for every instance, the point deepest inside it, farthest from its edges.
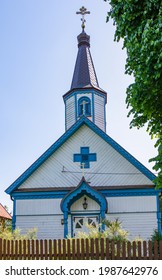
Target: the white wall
(99, 111)
(44, 214)
(70, 111)
(38, 206)
(137, 214)
(49, 226)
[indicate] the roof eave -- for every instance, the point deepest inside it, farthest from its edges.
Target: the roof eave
(86, 88)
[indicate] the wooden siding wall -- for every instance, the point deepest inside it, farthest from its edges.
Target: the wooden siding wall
(139, 225)
(49, 226)
(70, 111)
(99, 111)
(137, 214)
(38, 206)
(132, 204)
(110, 169)
(44, 214)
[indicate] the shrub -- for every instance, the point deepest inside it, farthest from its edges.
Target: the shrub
(156, 236)
(16, 234)
(113, 231)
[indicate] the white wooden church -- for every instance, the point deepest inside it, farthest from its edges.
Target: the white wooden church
(85, 176)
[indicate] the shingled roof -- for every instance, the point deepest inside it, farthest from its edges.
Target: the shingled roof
(84, 73)
(4, 214)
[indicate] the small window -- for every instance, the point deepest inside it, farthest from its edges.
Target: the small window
(84, 106)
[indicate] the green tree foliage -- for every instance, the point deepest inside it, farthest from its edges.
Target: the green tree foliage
(139, 24)
(8, 223)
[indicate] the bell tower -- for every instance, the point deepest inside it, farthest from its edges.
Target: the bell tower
(85, 97)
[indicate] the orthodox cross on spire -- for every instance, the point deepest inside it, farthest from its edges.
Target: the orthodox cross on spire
(83, 11)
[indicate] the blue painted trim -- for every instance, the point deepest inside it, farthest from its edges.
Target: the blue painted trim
(158, 214)
(71, 225)
(105, 116)
(132, 192)
(84, 157)
(102, 218)
(76, 108)
(39, 195)
(81, 109)
(65, 224)
(84, 91)
(74, 195)
(65, 117)
(14, 216)
(93, 108)
(83, 120)
(106, 193)
(82, 189)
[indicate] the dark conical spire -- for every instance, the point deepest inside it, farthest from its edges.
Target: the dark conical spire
(84, 72)
(85, 98)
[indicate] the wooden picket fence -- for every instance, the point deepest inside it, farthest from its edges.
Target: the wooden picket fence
(79, 249)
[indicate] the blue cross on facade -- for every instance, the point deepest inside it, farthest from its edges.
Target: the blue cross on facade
(84, 157)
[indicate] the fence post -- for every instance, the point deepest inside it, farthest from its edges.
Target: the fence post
(129, 250)
(102, 249)
(107, 249)
(78, 249)
(134, 245)
(59, 249)
(92, 248)
(73, 249)
(69, 249)
(124, 245)
(112, 249)
(150, 249)
(55, 249)
(64, 249)
(160, 248)
(139, 250)
(1, 253)
(144, 250)
(97, 249)
(118, 243)
(82, 249)
(155, 250)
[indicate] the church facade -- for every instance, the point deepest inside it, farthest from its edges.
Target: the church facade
(85, 176)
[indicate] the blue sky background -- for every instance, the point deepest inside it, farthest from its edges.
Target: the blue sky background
(37, 56)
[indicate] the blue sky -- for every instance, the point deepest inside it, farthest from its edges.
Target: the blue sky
(37, 56)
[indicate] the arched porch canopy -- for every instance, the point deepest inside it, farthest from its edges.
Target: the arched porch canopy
(82, 189)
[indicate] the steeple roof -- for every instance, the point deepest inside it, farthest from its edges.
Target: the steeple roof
(84, 72)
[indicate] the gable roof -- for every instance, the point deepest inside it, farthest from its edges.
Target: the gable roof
(4, 214)
(82, 121)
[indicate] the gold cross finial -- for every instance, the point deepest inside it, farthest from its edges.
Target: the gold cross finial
(83, 11)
